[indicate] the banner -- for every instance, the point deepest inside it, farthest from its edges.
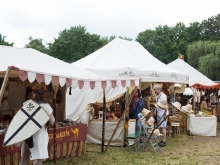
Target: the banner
(63, 135)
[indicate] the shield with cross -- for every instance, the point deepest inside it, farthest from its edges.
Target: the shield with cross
(27, 121)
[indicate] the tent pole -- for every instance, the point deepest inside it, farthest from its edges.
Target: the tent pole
(126, 115)
(217, 108)
(103, 121)
(126, 108)
(4, 83)
(54, 130)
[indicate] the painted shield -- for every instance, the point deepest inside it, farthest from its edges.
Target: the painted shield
(27, 121)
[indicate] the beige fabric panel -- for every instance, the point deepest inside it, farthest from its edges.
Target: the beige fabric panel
(94, 133)
(207, 128)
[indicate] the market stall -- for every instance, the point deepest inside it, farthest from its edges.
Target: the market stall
(70, 141)
(18, 78)
(119, 59)
(201, 85)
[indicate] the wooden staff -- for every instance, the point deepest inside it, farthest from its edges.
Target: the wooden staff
(126, 107)
(4, 83)
(54, 132)
(103, 121)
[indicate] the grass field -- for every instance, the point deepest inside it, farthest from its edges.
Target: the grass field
(182, 150)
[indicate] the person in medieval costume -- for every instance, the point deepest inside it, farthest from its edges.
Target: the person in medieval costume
(37, 149)
(162, 106)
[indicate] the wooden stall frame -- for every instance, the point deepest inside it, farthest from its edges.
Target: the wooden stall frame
(103, 120)
(4, 82)
(126, 107)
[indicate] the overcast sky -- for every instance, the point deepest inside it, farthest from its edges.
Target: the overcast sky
(44, 19)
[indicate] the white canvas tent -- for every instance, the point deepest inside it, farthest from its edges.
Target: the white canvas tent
(116, 60)
(122, 58)
(195, 77)
(119, 59)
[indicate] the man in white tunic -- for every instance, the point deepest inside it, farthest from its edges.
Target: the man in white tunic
(161, 97)
(40, 139)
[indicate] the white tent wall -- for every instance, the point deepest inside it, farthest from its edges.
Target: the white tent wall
(76, 103)
(116, 60)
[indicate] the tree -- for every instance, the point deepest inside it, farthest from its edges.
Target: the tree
(37, 44)
(124, 38)
(3, 42)
(165, 42)
(211, 28)
(205, 57)
(194, 32)
(199, 49)
(75, 43)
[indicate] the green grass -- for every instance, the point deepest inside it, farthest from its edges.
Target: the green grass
(182, 150)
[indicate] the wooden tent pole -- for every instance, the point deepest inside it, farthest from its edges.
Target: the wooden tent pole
(126, 107)
(103, 121)
(4, 83)
(217, 108)
(54, 127)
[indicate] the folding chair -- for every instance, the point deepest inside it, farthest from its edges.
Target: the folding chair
(152, 140)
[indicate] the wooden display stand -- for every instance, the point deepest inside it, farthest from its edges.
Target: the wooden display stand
(183, 123)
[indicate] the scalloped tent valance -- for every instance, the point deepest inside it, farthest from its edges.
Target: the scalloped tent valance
(56, 80)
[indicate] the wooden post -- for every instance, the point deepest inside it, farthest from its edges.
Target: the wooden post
(4, 83)
(103, 121)
(217, 109)
(54, 131)
(126, 115)
(126, 107)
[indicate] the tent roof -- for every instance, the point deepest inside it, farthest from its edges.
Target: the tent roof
(28, 63)
(195, 77)
(122, 58)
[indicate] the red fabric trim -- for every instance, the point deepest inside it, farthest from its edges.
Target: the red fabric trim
(217, 86)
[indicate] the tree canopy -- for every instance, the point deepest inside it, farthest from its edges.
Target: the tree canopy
(165, 42)
(3, 42)
(37, 44)
(205, 57)
(75, 43)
